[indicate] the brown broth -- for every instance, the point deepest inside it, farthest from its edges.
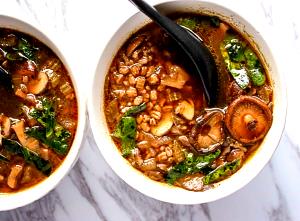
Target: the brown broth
(138, 74)
(24, 63)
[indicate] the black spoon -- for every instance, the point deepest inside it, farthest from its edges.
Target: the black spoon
(193, 46)
(9, 102)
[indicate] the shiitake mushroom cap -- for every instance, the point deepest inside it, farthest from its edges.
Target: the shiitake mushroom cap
(248, 119)
(208, 133)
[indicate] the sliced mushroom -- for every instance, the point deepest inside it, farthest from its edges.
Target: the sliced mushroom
(26, 68)
(28, 173)
(164, 140)
(38, 85)
(13, 177)
(248, 119)
(192, 182)
(235, 154)
(19, 128)
(208, 134)
(112, 111)
(186, 109)
(164, 125)
(134, 44)
(149, 164)
(184, 140)
(5, 125)
(176, 76)
(29, 142)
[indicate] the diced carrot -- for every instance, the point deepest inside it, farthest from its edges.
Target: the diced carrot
(20, 93)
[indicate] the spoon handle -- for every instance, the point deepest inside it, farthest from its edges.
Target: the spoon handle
(164, 22)
(192, 46)
(5, 79)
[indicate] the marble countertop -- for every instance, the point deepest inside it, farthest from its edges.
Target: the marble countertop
(92, 191)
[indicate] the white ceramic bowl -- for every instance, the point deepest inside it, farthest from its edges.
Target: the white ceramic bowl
(135, 178)
(13, 200)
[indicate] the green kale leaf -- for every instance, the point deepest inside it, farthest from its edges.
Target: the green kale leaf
(126, 129)
(50, 132)
(191, 164)
(257, 77)
(221, 172)
(30, 157)
(255, 71)
(241, 62)
(235, 49)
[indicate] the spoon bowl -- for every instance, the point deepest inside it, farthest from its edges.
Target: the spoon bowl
(192, 45)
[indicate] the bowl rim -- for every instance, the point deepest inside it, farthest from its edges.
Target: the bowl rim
(186, 197)
(24, 197)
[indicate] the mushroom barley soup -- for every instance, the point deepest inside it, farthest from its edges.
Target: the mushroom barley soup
(157, 113)
(38, 111)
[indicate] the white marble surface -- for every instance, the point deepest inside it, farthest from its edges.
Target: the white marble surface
(92, 191)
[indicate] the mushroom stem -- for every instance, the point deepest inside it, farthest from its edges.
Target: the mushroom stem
(250, 122)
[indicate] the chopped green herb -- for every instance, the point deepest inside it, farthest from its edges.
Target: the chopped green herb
(215, 21)
(221, 172)
(23, 50)
(51, 133)
(58, 143)
(26, 49)
(45, 116)
(190, 23)
(191, 164)
(30, 157)
(135, 110)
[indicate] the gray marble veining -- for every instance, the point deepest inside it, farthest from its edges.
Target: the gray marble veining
(56, 10)
(267, 9)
